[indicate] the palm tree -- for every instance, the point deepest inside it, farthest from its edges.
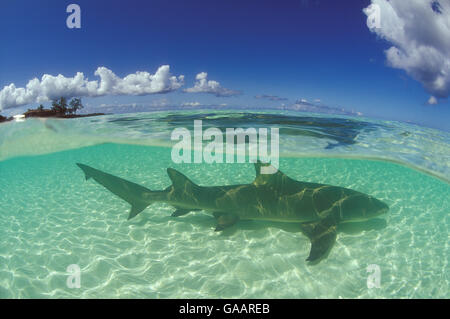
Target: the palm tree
(76, 105)
(60, 106)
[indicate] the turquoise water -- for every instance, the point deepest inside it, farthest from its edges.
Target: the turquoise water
(51, 217)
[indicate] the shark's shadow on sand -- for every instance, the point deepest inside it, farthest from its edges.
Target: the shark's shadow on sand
(208, 223)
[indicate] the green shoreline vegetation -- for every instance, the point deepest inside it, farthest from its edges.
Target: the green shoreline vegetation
(60, 109)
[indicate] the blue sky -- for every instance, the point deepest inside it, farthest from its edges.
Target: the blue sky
(291, 49)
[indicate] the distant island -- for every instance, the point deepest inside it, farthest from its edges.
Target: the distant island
(60, 109)
(5, 119)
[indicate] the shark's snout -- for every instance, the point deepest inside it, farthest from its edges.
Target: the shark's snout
(360, 207)
(380, 208)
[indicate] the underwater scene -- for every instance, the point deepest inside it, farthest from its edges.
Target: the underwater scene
(204, 155)
(357, 197)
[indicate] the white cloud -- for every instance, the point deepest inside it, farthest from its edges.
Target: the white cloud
(304, 105)
(432, 100)
(419, 32)
(51, 87)
(190, 104)
(302, 101)
(163, 102)
(202, 85)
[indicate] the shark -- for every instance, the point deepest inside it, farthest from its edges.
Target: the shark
(317, 208)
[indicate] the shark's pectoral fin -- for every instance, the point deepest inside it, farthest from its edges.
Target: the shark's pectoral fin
(321, 246)
(322, 235)
(225, 220)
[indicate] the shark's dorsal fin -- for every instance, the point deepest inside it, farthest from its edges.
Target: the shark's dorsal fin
(179, 180)
(258, 166)
(262, 178)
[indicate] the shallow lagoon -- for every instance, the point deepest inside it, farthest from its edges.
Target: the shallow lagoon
(51, 217)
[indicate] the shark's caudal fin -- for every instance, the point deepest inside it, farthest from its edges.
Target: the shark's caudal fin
(137, 196)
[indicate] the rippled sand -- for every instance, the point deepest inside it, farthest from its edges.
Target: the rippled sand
(50, 218)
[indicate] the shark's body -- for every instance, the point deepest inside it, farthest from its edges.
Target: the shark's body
(318, 208)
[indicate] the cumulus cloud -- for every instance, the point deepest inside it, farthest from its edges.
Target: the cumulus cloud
(304, 105)
(419, 32)
(202, 85)
(271, 97)
(51, 87)
(432, 100)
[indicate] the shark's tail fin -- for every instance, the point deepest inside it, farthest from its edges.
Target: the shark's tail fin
(86, 170)
(137, 196)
